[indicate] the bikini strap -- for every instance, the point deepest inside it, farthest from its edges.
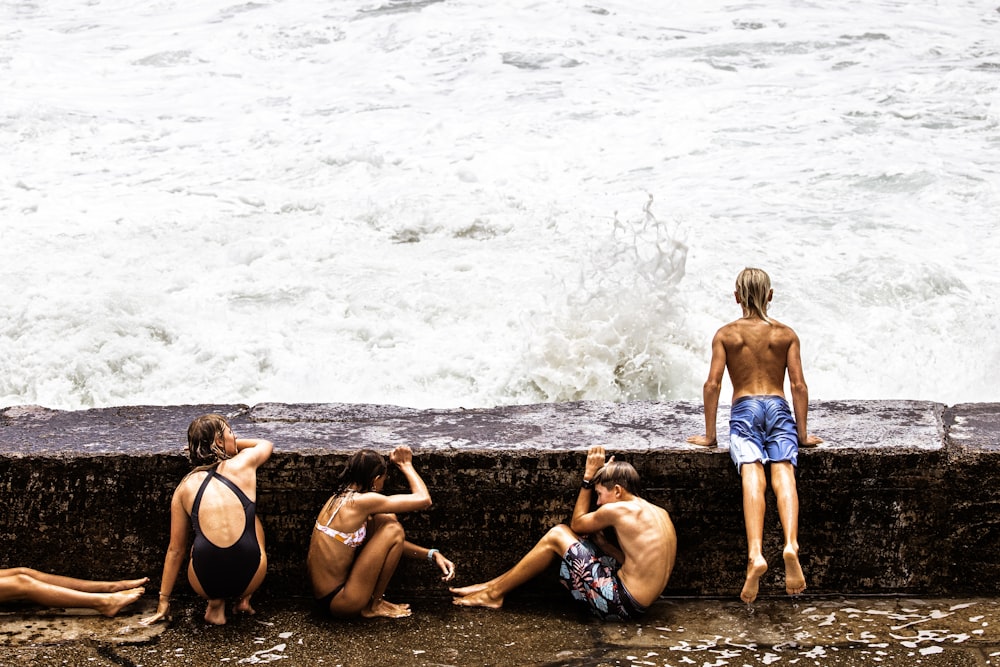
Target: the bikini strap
(342, 501)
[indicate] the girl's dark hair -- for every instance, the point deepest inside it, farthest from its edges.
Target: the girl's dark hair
(203, 440)
(361, 470)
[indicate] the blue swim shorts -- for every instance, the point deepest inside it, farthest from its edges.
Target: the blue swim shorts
(591, 577)
(761, 428)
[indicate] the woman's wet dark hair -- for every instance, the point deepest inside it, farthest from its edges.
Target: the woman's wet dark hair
(620, 473)
(203, 440)
(361, 470)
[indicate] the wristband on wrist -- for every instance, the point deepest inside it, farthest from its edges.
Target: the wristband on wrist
(430, 554)
(587, 484)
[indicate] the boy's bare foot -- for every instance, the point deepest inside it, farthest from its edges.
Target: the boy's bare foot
(795, 580)
(755, 570)
(385, 609)
(126, 584)
(215, 613)
(479, 598)
(243, 607)
(468, 590)
(119, 600)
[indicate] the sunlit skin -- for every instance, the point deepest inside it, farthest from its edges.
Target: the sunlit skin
(222, 521)
(757, 354)
(644, 531)
(365, 571)
(51, 590)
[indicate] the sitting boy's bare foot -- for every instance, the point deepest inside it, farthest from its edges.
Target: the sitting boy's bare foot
(468, 590)
(127, 584)
(243, 607)
(480, 598)
(117, 601)
(795, 580)
(386, 609)
(755, 570)
(215, 613)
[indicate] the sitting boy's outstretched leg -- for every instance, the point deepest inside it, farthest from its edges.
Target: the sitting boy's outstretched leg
(491, 593)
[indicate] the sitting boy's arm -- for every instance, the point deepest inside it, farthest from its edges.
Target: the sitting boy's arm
(608, 547)
(710, 393)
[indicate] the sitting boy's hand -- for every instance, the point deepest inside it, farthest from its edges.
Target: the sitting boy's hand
(595, 461)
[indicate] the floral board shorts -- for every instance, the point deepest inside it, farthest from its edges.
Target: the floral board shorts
(592, 578)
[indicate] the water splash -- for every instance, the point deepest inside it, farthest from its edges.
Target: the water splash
(616, 331)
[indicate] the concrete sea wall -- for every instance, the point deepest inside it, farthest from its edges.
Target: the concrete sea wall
(901, 498)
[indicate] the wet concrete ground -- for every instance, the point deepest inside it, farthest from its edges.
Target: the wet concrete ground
(677, 632)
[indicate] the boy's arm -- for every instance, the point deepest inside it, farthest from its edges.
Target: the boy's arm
(800, 394)
(710, 393)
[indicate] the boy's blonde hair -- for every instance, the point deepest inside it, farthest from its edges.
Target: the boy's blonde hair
(753, 287)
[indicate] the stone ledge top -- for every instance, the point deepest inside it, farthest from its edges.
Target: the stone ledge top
(337, 427)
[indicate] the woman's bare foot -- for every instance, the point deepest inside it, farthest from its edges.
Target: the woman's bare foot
(118, 600)
(243, 607)
(755, 570)
(215, 613)
(468, 590)
(385, 609)
(126, 584)
(795, 580)
(480, 598)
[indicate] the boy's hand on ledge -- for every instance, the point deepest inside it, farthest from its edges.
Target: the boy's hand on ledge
(810, 441)
(702, 440)
(595, 461)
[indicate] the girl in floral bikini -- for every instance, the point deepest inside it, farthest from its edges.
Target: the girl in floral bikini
(357, 541)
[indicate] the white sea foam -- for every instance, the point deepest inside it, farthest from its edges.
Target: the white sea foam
(447, 203)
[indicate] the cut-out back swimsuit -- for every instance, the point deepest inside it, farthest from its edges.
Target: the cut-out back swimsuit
(225, 572)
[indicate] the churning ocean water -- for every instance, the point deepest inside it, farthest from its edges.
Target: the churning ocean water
(441, 203)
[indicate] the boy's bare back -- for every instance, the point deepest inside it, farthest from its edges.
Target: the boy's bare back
(757, 353)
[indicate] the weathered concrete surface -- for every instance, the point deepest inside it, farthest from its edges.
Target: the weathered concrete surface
(899, 499)
(833, 632)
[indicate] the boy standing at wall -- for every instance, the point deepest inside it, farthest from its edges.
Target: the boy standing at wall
(757, 350)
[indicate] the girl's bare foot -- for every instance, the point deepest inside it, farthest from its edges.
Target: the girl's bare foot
(126, 584)
(386, 609)
(795, 580)
(117, 601)
(215, 613)
(480, 598)
(243, 607)
(755, 570)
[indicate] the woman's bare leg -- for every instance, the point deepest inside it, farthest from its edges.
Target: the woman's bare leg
(24, 586)
(491, 594)
(374, 563)
(84, 585)
(243, 604)
(379, 605)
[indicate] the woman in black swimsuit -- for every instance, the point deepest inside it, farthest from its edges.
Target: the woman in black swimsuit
(357, 541)
(217, 500)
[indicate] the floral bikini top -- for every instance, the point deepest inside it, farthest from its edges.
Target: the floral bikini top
(353, 540)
